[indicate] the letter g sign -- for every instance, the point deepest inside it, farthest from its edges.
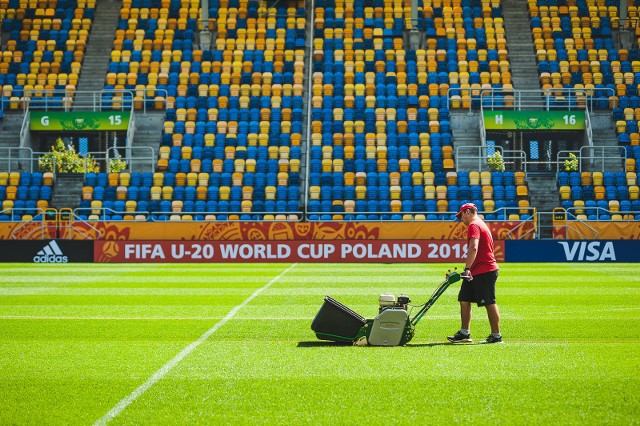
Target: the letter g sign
(44, 120)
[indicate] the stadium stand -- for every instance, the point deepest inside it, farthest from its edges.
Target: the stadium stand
(231, 143)
(574, 48)
(44, 50)
(380, 142)
(24, 195)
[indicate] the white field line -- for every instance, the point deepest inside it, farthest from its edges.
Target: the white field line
(158, 375)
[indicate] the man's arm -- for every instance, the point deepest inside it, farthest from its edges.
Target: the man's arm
(472, 252)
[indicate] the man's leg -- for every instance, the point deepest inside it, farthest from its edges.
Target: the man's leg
(494, 317)
(465, 315)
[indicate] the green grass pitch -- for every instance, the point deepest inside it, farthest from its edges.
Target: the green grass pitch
(78, 343)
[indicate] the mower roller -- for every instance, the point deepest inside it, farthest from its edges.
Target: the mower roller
(393, 326)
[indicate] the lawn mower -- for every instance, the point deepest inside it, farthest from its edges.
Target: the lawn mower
(393, 326)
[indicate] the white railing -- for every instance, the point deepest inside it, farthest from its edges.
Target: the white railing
(25, 135)
(605, 155)
(68, 100)
(512, 159)
(81, 100)
(16, 159)
(137, 157)
(547, 99)
(560, 218)
(106, 214)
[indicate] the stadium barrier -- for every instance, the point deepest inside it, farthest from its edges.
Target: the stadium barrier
(311, 251)
(47, 251)
(388, 251)
(572, 251)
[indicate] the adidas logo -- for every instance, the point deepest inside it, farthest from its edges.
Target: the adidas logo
(50, 253)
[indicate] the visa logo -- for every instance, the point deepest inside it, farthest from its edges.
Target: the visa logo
(589, 251)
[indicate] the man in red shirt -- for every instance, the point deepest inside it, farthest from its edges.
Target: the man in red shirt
(479, 277)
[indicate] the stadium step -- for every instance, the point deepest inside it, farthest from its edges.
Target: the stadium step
(148, 134)
(543, 191)
(10, 138)
(95, 65)
(524, 72)
(67, 190)
(465, 128)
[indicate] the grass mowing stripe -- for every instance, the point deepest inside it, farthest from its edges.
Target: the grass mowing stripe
(158, 375)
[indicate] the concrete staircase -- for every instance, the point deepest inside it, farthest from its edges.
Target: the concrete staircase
(10, 138)
(96, 59)
(67, 190)
(604, 134)
(544, 196)
(524, 69)
(10, 129)
(465, 128)
(148, 134)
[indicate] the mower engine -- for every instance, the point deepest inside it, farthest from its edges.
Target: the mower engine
(392, 326)
(387, 301)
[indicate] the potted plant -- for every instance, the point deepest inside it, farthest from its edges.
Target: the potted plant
(64, 159)
(117, 164)
(496, 162)
(572, 163)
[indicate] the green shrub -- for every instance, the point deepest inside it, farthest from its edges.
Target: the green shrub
(65, 159)
(116, 165)
(496, 162)
(571, 165)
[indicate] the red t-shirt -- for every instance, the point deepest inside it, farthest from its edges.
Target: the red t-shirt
(485, 260)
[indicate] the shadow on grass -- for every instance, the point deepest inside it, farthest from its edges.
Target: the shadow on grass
(422, 345)
(321, 343)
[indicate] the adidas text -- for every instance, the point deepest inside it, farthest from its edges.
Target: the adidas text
(52, 258)
(50, 253)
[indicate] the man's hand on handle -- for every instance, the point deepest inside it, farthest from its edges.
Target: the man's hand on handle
(466, 274)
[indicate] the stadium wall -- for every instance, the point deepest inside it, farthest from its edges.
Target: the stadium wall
(388, 251)
(57, 242)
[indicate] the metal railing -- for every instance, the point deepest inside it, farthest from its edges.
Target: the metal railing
(141, 158)
(138, 158)
(106, 214)
(588, 156)
(499, 215)
(67, 221)
(25, 135)
(40, 218)
(579, 214)
(70, 100)
(49, 219)
(533, 219)
(560, 218)
(16, 159)
(547, 99)
(512, 159)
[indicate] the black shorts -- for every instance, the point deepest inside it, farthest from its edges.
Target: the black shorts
(480, 290)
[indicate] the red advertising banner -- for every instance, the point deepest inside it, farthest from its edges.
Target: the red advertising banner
(392, 251)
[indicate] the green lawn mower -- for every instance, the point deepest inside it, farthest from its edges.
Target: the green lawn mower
(393, 326)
